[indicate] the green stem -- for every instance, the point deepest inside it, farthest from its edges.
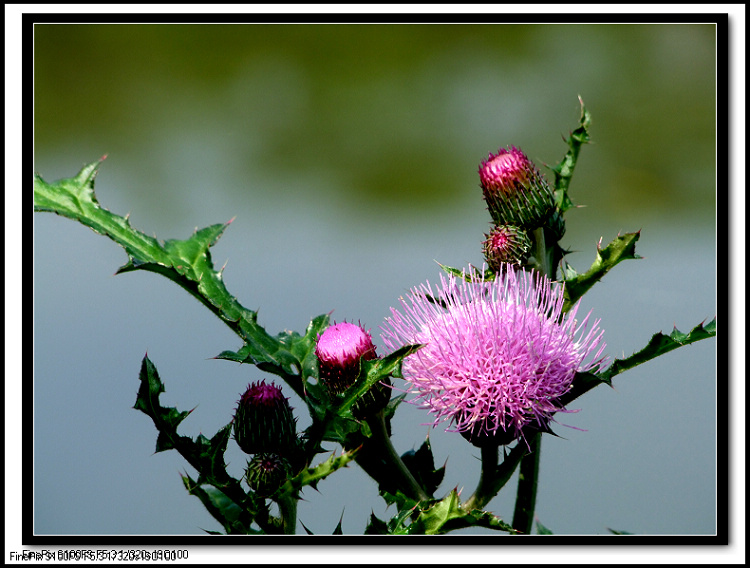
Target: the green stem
(527, 486)
(529, 472)
(483, 493)
(288, 512)
(540, 253)
(395, 465)
(493, 477)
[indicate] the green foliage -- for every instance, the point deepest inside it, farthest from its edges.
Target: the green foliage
(222, 494)
(576, 285)
(312, 475)
(564, 170)
(291, 356)
(659, 344)
(221, 507)
(374, 371)
(433, 517)
(541, 529)
(421, 464)
(186, 262)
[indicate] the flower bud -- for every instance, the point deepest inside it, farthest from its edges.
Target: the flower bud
(340, 350)
(505, 244)
(266, 472)
(263, 421)
(515, 191)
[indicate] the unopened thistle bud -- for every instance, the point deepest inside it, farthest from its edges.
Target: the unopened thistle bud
(264, 421)
(340, 350)
(505, 244)
(266, 472)
(514, 189)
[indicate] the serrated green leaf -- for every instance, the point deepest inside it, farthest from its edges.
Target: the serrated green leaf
(166, 420)
(658, 345)
(564, 170)
(312, 475)
(289, 355)
(375, 371)
(186, 262)
(439, 516)
(390, 409)
(74, 198)
(376, 526)
(221, 507)
(421, 464)
(206, 456)
(622, 248)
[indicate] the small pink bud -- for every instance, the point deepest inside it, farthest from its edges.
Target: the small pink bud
(505, 244)
(340, 350)
(515, 191)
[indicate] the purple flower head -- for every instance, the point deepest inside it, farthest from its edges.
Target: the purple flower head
(497, 355)
(505, 243)
(514, 189)
(263, 421)
(339, 350)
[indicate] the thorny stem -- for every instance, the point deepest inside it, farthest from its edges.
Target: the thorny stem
(288, 512)
(494, 477)
(527, 485)
(529, 471)
(483, 493)
(406, 481)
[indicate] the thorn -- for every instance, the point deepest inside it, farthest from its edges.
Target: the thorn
(230, 221)
(104, 157)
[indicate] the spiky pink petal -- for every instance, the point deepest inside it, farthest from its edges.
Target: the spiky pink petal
(497, 355)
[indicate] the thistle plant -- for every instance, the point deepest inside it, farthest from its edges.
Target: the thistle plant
(497, 355)
(493, 352)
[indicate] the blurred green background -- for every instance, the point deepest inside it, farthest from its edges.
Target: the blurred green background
(349, 156)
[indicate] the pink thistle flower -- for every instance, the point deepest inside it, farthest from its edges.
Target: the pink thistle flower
(514, 189)
(497, 355)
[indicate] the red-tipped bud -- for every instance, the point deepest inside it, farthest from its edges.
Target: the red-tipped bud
(340, 350)
(266, 473)
(515, 191)
(505, 244)
(264, 421)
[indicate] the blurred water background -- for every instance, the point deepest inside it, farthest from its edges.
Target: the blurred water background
(348, 155)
